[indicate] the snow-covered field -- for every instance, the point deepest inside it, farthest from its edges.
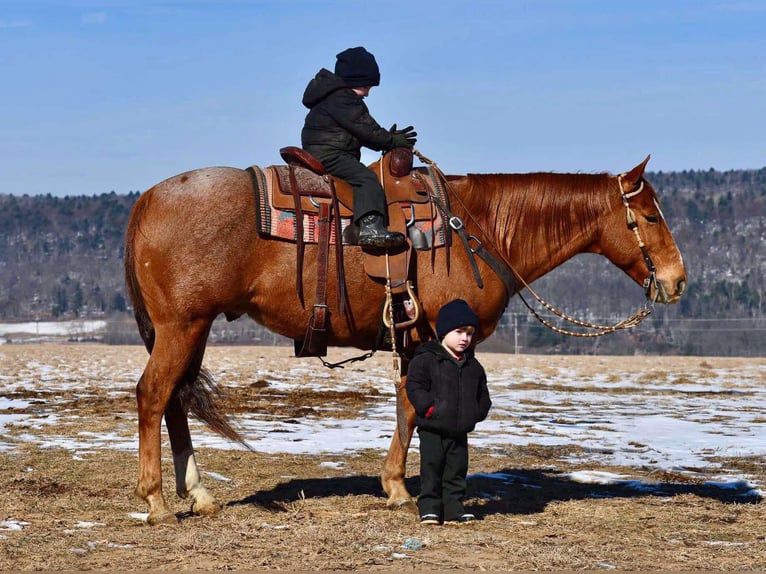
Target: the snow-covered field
(46, 331)
(673, 413)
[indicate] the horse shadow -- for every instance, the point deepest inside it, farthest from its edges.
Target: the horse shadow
(525, 491)
(505, 491)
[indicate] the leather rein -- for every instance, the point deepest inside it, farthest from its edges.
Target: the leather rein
(508, 275)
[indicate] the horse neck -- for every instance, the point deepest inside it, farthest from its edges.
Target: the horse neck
(538, 221)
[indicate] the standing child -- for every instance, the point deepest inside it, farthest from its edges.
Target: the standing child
(448, 388)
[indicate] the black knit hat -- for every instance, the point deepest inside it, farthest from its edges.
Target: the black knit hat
(358, 68)
(455, 314)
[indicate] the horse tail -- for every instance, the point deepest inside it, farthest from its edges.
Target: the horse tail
(145, 326)
(199, 395)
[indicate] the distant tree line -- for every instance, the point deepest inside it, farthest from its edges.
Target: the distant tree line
(61, 258)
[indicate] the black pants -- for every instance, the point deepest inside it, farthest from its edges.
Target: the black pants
(368, 194)
(443, 469)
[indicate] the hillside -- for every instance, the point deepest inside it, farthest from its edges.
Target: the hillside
(61, 258)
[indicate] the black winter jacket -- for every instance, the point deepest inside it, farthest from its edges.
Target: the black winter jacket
(338, 120)
(459, 394)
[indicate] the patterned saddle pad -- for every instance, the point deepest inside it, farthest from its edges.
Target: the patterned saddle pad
(276, 214)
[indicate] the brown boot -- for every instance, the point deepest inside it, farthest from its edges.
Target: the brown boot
(373, 233)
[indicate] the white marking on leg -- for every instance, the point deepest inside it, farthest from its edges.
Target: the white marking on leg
(189, 484)
(187, 474)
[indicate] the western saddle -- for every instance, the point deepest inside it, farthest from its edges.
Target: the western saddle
(304, 187)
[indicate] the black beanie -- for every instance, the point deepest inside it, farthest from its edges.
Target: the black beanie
(358, 68)
(455, 314)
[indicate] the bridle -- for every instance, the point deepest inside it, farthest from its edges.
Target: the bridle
(633, 226)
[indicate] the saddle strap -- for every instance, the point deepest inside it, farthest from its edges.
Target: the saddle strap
(440, 199)
(298, 234)
(339, 264)
(501, 270)
(456, 224)
(300, 244)
(323, 253)
(471, 259)
(315, 344)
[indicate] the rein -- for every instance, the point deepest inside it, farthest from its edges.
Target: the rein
(598, 330)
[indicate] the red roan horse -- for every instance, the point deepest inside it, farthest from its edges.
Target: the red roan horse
(192, 253)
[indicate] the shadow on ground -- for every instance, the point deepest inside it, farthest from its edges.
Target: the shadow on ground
(506, 491)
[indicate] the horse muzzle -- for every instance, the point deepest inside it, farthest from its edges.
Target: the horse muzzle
(659, 291)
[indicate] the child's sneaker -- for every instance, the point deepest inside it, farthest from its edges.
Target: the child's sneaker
(429, 519)
(462, 519)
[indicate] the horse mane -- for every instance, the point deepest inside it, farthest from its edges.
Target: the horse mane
(552, 208)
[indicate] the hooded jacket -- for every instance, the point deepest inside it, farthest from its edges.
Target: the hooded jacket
(338, 120)
(458, 392)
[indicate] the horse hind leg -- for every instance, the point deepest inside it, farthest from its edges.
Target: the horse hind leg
(188, 480)
(175, 353)
(196, 395)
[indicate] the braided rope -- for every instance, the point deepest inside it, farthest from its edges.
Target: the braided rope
(397, 370)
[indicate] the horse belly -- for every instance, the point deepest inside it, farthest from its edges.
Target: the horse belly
(276, 303)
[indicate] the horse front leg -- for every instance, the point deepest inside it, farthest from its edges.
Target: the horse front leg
(188, 480)
(394, 467)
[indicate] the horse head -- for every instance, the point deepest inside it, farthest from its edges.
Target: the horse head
(639, 240)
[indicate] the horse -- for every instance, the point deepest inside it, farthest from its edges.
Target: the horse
(192, 253)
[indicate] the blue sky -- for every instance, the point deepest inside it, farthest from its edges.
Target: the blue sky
(116, 95)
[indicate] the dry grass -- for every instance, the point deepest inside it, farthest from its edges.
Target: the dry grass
(289, 512)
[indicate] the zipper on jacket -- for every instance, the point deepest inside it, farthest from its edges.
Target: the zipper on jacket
(459, 397)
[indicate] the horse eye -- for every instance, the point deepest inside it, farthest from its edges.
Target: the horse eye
(652, 218)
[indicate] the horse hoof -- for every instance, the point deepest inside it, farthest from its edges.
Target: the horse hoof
(206, 509)
(167, 518)
(408, 505)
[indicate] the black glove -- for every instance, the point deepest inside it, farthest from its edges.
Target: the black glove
(403, 138)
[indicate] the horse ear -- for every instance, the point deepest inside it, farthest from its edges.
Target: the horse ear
(632, 179)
